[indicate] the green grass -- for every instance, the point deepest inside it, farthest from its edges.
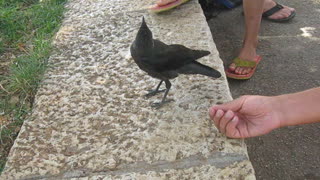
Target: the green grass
(26, 30)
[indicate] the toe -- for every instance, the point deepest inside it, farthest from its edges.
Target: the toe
(164, 2)
(283, 13)
(292, 9)
(232, 66)
(238, 70)
(247, 71)
(242, 71)
(289, 8)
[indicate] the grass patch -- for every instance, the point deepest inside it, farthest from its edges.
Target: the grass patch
(26, 30)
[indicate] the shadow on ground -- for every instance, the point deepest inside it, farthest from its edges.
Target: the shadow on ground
(291, 53)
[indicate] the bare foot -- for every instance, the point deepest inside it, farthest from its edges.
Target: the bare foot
(283, 13)
(164, 2)
(245, 54)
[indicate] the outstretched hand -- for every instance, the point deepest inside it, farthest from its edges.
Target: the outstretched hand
(245, 117)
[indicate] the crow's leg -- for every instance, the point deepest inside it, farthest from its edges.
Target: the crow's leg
(156, 91)
(168, 86)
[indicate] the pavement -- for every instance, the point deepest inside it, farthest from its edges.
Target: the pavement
(291, 53)
(91, 121)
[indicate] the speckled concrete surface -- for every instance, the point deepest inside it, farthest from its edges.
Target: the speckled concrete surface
(91, 120)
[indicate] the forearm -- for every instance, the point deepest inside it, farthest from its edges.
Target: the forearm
(299, 108)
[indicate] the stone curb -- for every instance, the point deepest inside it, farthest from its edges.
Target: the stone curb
(90, 118)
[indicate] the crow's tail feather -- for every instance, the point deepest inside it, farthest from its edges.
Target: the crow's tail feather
(198, 68)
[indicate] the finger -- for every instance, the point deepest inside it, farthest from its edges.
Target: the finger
(231, 129)
(228, 116)
(234, 105)
(212, 112)
(217, 117)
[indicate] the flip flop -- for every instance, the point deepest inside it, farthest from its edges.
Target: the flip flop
(243, 63)
(275, 9)
(157, 9)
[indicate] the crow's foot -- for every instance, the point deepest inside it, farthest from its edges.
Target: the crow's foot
(153, 92)
(158, 105)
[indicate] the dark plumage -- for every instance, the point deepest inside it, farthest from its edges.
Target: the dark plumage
(166, 62)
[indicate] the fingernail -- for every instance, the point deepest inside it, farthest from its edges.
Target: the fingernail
(219, 113)
(229, 114)
(235, 119)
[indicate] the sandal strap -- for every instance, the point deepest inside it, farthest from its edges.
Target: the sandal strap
(243, 63)
(273, 10)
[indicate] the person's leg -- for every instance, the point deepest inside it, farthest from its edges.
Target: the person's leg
(253, 13)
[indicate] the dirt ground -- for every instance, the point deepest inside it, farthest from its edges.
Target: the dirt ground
(291, 53)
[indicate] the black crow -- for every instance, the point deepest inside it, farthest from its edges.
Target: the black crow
(166, 62)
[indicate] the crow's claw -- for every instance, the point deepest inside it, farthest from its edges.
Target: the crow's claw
(158, 105)
(153, 92)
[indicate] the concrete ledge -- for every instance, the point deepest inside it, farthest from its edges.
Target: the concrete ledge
(91, 121)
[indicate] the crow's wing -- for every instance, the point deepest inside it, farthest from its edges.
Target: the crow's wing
(171, 57)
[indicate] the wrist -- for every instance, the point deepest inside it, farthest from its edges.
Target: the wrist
(298, 108)
(280, 106)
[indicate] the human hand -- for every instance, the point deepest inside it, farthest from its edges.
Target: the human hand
(247, 116)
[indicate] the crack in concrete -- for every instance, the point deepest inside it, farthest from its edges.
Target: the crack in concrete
(218, 160)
